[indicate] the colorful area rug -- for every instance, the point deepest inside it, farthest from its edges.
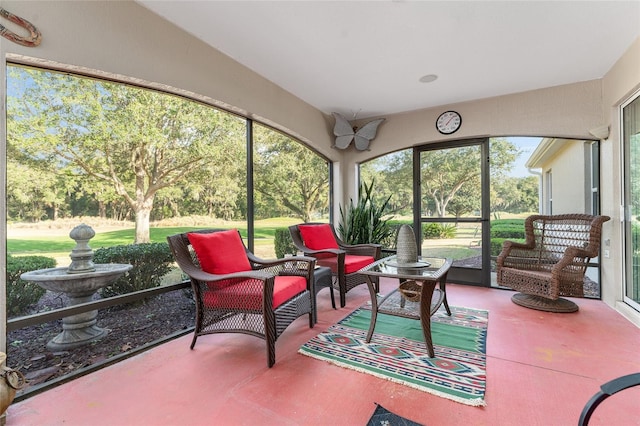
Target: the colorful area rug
(397, 351)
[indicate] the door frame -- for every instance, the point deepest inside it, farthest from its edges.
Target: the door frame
(460, 275)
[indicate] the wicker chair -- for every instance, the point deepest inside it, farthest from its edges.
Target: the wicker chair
(236, 292)
(552, 262)
(319, 240)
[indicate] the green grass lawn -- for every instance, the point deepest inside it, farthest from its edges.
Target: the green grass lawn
(61, 246)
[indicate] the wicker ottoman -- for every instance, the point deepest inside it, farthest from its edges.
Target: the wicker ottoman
(322, 278)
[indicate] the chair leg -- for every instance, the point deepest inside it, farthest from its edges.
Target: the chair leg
(198, 326)
(333, 299)
(343, 292)
(271, 353)
(270, 336)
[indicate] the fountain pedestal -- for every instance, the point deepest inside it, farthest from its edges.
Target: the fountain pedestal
(77, 330)
(79, 282)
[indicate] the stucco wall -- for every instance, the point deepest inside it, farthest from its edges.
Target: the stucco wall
(567, 168)
(562, 111)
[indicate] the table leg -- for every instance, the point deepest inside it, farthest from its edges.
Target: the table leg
(425, 314)
(443, 283)
(374, 308)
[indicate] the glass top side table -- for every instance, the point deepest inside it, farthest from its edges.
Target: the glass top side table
(426, 273)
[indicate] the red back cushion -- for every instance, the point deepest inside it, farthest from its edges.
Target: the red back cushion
(318, 237)
(220, 252)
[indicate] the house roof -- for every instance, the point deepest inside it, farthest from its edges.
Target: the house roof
(366, 58)
(546, 150)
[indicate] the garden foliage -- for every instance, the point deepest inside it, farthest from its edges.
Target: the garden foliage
(22, 294)
(503, 230)
(363, 222)
(283, 242)
(151, 262)
(438, 231)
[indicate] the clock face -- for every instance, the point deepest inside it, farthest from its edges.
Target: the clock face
(448, 122)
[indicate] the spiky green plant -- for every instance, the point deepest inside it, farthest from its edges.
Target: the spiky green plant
(363, 222)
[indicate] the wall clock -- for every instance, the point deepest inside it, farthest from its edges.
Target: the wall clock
(448, 122)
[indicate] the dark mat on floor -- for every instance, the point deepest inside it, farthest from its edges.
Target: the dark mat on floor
(383, 417)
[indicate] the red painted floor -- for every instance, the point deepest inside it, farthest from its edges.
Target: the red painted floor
(542, 368)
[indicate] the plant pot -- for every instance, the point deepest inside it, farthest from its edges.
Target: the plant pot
(10, 382)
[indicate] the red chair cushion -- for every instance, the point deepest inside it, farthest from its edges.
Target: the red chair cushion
(352, 263)
(246, 295)
(220, 252)
(318, 237)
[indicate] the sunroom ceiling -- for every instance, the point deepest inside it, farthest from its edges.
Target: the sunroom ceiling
(366, 58)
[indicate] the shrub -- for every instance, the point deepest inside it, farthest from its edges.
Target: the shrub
(496, 244)
(151, 261)
(507, 228)
(283, 242)
(432, 231)
(22, 294)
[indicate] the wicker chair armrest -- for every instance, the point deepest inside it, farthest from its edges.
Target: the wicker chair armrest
(266, 263)
(504, 258)
(569, 259)
(200, 275)
(373, 250)
(310, 252)
(260, 262)
(302, 266)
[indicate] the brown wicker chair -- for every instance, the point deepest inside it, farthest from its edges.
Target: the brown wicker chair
(344, 259)
(552, 262)
(261, 301)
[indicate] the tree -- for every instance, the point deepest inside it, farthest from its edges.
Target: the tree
(503, 195)
(138, 141)
(466, 200)
(289, 177)
(444, 172)
(528, 191)
(514, 195)
(393, 175)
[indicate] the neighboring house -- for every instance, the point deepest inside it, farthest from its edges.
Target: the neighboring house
(568, 172)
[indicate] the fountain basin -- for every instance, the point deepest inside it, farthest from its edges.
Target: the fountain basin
(79, 329)
(77, 284)
(79, 281)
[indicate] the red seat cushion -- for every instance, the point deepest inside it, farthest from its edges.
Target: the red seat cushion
(246, 295)
(352, 263)
(220, 252)
(318, 237)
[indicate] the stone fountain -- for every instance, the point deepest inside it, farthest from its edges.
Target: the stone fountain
(79, 281)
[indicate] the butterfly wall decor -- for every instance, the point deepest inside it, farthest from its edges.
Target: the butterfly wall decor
(345, 133)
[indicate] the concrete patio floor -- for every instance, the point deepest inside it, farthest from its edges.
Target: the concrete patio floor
(542, 368)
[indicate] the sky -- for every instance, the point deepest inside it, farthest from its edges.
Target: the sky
(527, 145)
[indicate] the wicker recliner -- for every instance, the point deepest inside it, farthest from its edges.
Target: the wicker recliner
(344, 259)
(552, 262)
(260, 297)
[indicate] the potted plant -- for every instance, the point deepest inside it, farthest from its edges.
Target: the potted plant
(363, 222)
